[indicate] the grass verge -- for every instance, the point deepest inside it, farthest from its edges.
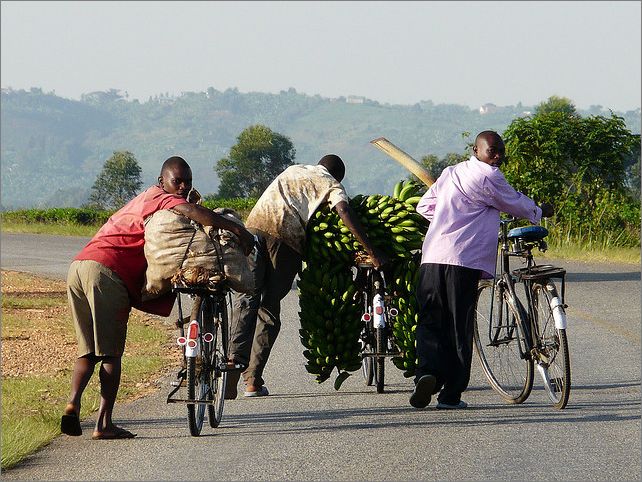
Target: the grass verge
(595, 255)
(38, 352)
(67, 229)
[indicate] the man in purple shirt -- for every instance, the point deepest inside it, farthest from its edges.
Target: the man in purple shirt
(463, 208)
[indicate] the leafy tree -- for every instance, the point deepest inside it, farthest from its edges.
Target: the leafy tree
(556, 104)
(632, 163)
(117, 183)
(435, 165)
(254, 161)
(579, 165)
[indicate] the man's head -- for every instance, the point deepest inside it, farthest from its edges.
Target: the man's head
(489, 148)
(175, 176)
(334, 165)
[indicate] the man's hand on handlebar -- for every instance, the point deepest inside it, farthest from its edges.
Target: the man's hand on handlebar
(547, 210)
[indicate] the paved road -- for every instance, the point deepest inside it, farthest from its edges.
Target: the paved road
(307, 431)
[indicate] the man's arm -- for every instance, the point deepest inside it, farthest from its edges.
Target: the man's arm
(351, 221)
(507, 199)
(207, 217)
(426, 205)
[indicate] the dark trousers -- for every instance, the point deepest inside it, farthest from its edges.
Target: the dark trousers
(256, 317)
(446, 298)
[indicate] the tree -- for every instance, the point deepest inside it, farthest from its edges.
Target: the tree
(254, 161)
(435, 166)
(556, 104)
(117, 183)
(550, 152)
(579, 165)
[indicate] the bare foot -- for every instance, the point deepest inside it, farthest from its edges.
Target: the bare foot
(70, 409)
(112, 433)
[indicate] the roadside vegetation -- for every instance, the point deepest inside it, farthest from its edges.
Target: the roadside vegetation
(38, 352)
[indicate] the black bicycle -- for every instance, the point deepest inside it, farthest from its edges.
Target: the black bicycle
(376, 336)
(205, 357)
(512, 337)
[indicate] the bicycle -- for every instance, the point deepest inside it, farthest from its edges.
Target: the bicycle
(511, 337)
(205, 357)
(376, 337)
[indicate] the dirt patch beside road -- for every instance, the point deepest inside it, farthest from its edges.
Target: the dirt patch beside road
(37, 330)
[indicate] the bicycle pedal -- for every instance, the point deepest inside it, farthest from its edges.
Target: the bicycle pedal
(179, 383)
(224, 367)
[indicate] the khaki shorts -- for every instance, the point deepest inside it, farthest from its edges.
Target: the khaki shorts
(100, 308)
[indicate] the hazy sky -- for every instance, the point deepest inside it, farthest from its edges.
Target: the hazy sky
(465, 53)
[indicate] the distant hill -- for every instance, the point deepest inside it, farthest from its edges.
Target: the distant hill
(53, 148)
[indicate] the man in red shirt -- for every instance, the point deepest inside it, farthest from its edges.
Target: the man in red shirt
(105, 281)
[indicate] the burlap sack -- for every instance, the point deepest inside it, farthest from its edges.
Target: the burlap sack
(235, 264)
(173, 241)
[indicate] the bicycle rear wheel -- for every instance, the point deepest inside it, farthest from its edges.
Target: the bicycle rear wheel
(379, 361)
(497, 335)
(554, 365)
(199, 376)
(220, 330)
(367, 343)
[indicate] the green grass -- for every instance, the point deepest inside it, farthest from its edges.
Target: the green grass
(32, 406)
(25, 303)
(33, 403)
(604, 255)
(50, 229)
(31, 409)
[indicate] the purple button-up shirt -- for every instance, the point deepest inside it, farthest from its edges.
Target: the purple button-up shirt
(463, 208)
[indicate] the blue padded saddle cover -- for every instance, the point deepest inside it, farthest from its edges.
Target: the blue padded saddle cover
(529, 233)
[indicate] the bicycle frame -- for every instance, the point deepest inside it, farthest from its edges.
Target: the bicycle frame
(375, 310)
(376, 335)
(196, 334)
(528, 276)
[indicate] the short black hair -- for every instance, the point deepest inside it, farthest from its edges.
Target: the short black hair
(334, 165)
(172, 162)
(486, 135)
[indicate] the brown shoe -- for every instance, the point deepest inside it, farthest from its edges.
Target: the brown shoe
(254, 391)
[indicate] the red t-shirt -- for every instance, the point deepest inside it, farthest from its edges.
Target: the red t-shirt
(119, 244)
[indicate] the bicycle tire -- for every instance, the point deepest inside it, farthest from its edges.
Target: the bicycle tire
(552, 343)
(194, 414)
(367, 362)
(498, 346)
(379, 364)
(219, 358)
(367, 368)
(199, 373)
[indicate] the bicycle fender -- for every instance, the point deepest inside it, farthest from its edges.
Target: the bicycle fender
(558, 313)
(191, 345)
(379, 320)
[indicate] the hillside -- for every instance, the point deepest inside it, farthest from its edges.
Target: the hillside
(53, 148)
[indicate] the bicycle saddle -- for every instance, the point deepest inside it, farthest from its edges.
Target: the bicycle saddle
(528, 233)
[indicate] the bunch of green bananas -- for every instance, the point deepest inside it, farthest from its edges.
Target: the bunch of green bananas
(330, 317)
(402, 285)
(330, 321)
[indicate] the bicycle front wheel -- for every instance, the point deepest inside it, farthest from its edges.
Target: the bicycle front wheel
(498, 336)
(554, 363)
(367, 367)
(219, 359)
